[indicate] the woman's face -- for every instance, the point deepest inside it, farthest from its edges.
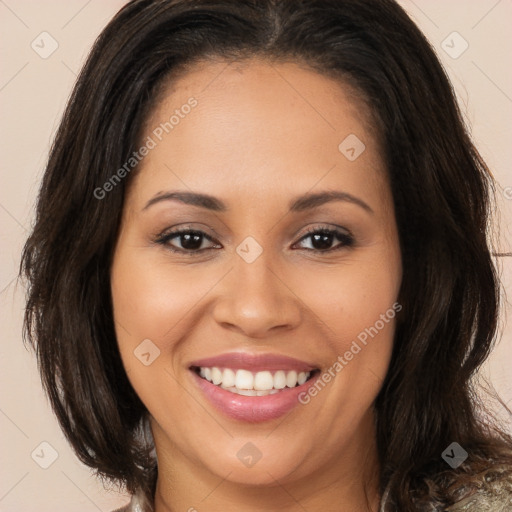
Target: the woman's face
(291, 271)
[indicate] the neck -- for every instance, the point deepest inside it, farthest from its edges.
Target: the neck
(348, 481)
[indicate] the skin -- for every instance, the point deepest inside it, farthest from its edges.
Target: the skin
(261, 135)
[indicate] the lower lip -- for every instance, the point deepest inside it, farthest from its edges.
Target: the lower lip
(252, 409)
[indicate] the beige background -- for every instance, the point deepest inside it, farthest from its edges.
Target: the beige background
(33, 92)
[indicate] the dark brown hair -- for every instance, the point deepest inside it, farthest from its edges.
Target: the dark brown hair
(443, 198)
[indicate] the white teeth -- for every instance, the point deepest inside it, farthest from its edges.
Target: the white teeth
(228, 378)
(263, 381)
(280, 380)
(244, 379)
(248, 383)
(252, 392)
(216, 376)
(291, 379)
(246, 392)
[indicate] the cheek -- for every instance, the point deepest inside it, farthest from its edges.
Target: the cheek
(149, 297)
(150, 303)
(353, 296)
(357, 304)
(156, 301)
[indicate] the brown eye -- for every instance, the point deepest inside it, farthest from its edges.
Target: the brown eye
(185, 240)
(321, 240)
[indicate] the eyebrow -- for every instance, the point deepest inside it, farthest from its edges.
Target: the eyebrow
(192, 198)
(308, 201)
(304, 202)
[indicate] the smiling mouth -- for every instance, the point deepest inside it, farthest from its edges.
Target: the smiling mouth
(246, 383)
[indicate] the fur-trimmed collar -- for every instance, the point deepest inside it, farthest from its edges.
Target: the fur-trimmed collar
(494, 496)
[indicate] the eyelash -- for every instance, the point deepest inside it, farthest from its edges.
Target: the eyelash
(344, 237)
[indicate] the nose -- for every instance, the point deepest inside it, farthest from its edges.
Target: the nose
(255, 301)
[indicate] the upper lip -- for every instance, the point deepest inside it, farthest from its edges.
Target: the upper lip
(254, 362)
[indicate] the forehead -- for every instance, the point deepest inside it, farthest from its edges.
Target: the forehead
(258, 127)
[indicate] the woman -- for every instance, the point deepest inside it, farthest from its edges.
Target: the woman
(260, 275)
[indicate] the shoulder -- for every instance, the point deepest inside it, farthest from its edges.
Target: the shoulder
(138, 503)
(133, 506)
(492, 495)
(126, 508)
